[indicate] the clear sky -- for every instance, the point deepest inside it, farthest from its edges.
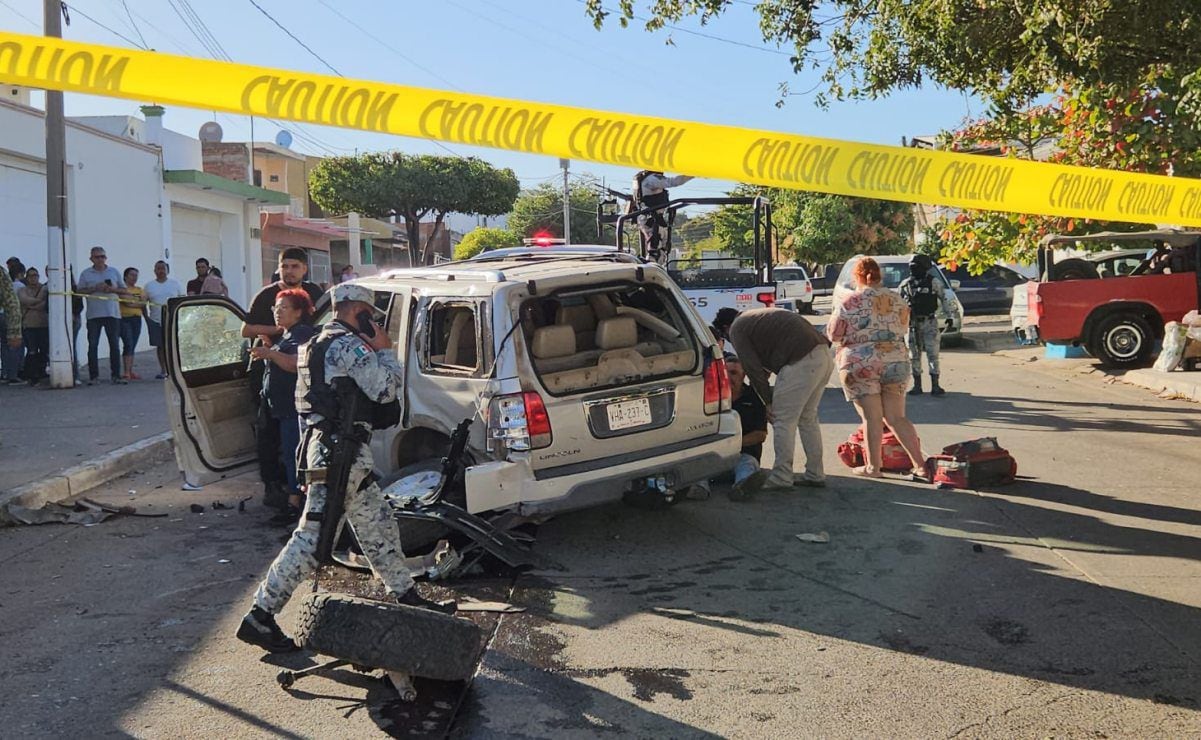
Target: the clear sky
(542, 50)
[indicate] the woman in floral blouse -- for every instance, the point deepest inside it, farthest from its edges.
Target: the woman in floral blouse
(868, 329)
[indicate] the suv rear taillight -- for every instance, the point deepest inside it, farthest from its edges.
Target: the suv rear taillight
(519, 421)
(717, 386)
(767, 299)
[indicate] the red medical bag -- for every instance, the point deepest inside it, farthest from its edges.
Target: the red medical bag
(895, 460)
(979, 463)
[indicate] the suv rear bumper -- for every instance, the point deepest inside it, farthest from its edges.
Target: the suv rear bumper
(500, 485)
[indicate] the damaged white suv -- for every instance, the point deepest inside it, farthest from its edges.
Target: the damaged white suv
(587, 372)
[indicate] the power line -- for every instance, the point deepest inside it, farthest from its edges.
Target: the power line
(22, 16)
(710, 36)
(293, 36)
(389, 47)
(200, 30)
(118, 34)
(136, 30)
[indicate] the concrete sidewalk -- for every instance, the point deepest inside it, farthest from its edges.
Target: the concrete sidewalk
(1181, 384)
(45, 431)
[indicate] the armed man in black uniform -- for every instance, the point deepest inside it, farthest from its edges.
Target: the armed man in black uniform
(348, 381)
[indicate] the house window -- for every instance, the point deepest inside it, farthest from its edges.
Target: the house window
(258, 178)
(452, 339)
(319, 271)
(274, 178)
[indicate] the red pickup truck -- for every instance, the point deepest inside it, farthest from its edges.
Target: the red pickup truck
(1116, 319)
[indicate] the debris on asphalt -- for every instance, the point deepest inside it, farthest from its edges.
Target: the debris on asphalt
(977, 547)
(85, 512)
(196, 509)
(224, 561)
(820, 538)
(219, 505)
(494, 607)
(242, 503)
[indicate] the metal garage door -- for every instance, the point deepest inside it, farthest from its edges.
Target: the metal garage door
(194, 234)
(23, 213)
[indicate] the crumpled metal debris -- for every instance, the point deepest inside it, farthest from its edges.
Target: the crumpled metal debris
(84, 512)
(56, 514)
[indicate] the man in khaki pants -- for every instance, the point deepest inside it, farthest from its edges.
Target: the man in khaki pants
(773, 340)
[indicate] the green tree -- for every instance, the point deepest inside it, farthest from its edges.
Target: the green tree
(484, 238)
(1008, 51)
(540, 209)
(1147, 127)
(411, 187)
(815, 227)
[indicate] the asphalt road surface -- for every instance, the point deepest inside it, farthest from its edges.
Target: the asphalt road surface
(1068, 604)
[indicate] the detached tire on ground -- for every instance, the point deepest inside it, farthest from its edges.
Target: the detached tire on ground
(399, 638)
(1122, 339)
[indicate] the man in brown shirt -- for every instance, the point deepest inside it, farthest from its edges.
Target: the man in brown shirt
(784, 343)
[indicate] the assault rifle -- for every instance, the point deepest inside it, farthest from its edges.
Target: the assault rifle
(343, 447)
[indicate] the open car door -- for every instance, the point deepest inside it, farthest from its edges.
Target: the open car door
(210, 403)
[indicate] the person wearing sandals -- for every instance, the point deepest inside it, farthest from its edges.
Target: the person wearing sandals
(868, 329)
(133, 307)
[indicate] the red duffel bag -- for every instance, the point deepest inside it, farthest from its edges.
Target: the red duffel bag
(978, 463)
(895, 460)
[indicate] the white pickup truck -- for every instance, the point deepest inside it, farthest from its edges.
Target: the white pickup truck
(793, 288)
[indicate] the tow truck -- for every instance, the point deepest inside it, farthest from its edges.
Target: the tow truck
(709, 283)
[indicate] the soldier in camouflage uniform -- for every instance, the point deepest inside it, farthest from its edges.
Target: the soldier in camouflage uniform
(927, 303)
(348, 347)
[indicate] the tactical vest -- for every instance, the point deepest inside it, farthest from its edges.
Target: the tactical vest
(922, 299)
(658, 200)
(314, 394)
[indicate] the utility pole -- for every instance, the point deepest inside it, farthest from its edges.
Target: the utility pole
(564, 163)
(62, 354)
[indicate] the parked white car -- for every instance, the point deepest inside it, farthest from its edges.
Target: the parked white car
(894, 269)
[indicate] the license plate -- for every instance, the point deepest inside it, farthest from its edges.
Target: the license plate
(627, 414)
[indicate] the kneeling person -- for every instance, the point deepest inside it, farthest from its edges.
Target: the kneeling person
(748, 477)
(351, 347)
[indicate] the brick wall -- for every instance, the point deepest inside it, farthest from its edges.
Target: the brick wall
(230, 161)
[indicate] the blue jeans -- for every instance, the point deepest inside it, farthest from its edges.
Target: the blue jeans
(10, 358)
(746, 466)
(289, 440)
(131, 332)
(110, 326)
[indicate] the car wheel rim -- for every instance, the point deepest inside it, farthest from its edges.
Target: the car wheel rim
(1124, 342)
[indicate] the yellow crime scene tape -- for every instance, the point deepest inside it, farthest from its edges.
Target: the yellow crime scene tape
(639, 142)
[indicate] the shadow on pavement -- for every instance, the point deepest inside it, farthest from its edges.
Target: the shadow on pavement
(973, 580)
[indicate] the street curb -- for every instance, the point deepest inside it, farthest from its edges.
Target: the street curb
(989, 342)
(77, 480)
(1180, 384)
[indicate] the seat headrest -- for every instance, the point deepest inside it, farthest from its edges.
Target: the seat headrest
(617, 333)
(580, 318)
(602, 306)
(553, 341)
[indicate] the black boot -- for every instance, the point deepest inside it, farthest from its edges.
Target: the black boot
(259, 628)
(916, 390)
(274, 495)
(935, 388)
(412, 598)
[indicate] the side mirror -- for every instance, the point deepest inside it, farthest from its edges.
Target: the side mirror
(955, 284)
